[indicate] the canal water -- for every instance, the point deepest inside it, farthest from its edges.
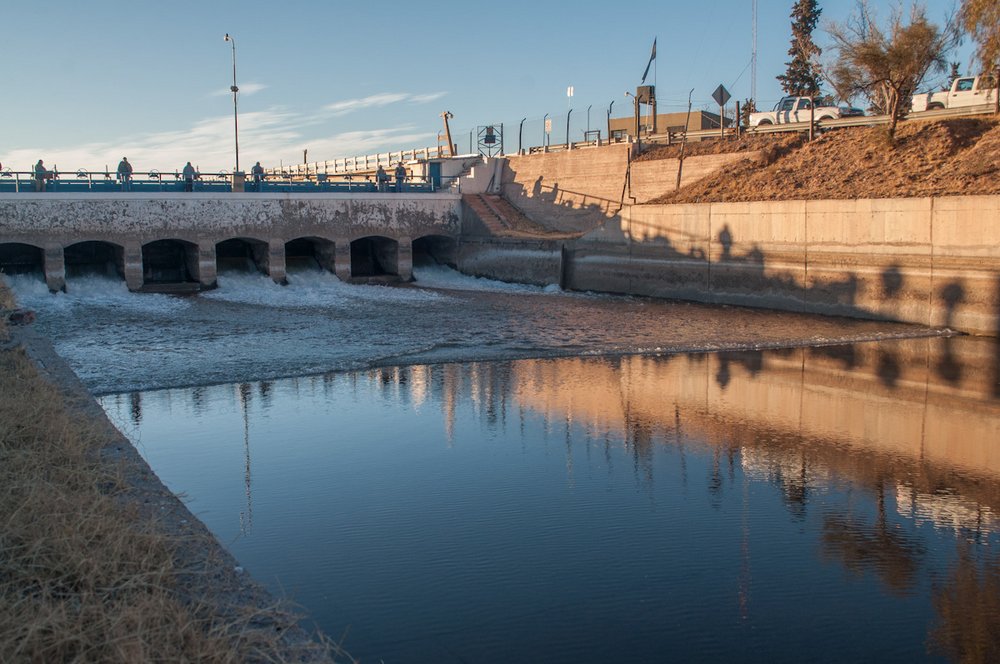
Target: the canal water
(472, 472)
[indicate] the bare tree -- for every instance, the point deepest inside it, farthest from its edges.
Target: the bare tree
(886, 65)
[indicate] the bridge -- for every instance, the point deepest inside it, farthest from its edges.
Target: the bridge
(175, 241)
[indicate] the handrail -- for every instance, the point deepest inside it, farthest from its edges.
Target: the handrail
(220, 182)
(361, 163)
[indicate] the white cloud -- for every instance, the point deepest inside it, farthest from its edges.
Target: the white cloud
(381, 99)
(423, 99)
(272, 136)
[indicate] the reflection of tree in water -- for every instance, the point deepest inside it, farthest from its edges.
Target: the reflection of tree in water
(893, 555)
(968, 609)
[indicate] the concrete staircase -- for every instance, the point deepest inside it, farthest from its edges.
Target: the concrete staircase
(502, 219)
(490, 218)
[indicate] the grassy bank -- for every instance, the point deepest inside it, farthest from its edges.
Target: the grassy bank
(87, 573)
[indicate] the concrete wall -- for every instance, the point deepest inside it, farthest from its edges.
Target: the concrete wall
(55, 221)
(931, 261)
(578, 190)
(654, 178)
(575, 190)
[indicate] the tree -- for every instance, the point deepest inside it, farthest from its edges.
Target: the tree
(887, 65)
(981, 19)
(802, 76)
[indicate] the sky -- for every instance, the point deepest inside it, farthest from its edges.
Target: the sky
(85, 84)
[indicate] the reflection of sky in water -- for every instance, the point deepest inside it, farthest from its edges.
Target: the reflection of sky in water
(807, 504)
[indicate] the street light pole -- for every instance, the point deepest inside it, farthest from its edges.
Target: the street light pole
(236, 121)
(610, 106)
(635, 101)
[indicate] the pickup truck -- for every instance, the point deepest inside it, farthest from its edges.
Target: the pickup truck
(797, 109)
(967, 91)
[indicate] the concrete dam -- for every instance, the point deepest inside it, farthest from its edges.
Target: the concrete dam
(176, 241)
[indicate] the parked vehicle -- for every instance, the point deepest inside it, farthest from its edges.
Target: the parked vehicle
(800, 109)
(966, 91)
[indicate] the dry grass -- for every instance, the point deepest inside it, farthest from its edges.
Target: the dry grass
(929, 158)
(6, 302)
(83, 576)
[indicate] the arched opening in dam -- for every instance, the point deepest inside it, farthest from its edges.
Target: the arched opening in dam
(96, 258)
(309, 253)
(18, 258)
(374, 256)
(435, 250)
(241, 255)
(169, 262)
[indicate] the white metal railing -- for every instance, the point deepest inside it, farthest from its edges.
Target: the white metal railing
(359, 164)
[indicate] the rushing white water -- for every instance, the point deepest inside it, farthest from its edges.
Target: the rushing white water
(253, 329)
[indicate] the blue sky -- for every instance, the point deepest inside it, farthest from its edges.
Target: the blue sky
(86, 83)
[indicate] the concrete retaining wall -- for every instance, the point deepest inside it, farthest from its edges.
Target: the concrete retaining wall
(931, 261)
(578, 190)
(654, 178)
(569, 191)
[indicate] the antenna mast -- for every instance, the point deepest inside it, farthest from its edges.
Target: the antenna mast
(753, 53)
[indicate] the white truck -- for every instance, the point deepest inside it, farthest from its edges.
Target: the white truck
(966, 91)
(800, 109)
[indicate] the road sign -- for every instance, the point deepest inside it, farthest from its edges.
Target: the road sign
(548, 125)
(721, 95)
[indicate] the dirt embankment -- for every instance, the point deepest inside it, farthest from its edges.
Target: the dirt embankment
(928, 158)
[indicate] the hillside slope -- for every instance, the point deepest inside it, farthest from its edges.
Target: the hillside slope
(930, 158)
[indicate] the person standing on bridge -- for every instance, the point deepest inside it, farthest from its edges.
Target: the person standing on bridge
(381, 178)
(40, 176)
(125, 174)
(258, 175)
(400, 174)
(188, 174)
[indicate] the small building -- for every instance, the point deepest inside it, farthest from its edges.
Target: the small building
(623, 128)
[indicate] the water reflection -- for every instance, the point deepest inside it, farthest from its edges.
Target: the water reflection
(883, 455)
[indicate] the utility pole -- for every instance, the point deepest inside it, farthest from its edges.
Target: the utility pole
(753, 52)
(447, 133)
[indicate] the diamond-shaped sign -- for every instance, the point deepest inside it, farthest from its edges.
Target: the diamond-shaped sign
(721, 95)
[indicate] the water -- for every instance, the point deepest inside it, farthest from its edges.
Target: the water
(567, 500)
(253, 329)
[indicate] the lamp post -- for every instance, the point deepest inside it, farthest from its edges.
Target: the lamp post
(236, 122)
(520, 132)
(569, 146)
(635, 101)
(609, 119)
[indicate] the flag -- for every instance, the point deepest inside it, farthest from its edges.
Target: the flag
(652, 56)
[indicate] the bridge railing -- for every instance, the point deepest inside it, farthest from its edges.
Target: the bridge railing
(221, 182)
(361, 163)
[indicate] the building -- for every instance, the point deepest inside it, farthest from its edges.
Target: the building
(622, 128)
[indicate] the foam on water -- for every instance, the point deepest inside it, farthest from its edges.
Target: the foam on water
(308, 288)
(90, 292)
(446, 278)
